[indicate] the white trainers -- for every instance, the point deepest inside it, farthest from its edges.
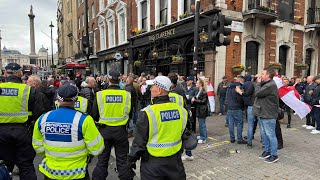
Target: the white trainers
(219, 114)
(310, 127)
(304, 126)
(198, 137)
(187, 158)
(200, 141)
(315, 132)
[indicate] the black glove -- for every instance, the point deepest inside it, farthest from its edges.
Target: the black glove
(131, 165)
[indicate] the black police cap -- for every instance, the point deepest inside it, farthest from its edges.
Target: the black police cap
(12, 68)
(67, 93)
(114, 74)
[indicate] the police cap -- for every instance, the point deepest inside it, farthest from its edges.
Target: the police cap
(113, 74)
(13, 68)
(67, 93)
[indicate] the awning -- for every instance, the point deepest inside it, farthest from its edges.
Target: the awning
(75, 65)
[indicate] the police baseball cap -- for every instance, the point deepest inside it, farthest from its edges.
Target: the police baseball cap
(161, 81)
(190, 78)
(67, 93)
(13, 68)
(113, 74)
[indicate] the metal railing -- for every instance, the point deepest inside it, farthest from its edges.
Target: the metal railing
(313, 16)
(256, 4)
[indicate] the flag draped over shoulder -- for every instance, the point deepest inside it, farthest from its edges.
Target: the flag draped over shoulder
(291, 98)
(210, 92)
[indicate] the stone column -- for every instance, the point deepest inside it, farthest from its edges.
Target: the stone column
(32, 39)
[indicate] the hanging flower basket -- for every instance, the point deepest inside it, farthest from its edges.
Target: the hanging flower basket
(177, 59)
(275, 65)
(301, 66)
(137, 63)
(238, 68)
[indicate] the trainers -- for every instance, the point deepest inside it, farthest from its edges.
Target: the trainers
(249, 146)
(198, 137)
(288, 126)
(200, 141)
(242, 142)
(219, 114)
(304, 126)
(264, 155)
(315, 132)
(226, 125)
(232, 141)
(187, 158)
(280, 146)
(310, 127)
(271, 159)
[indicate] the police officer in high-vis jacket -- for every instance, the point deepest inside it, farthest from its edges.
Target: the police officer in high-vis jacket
(81, 105)
(158, 135)
(17, 102)
(66, 138)
(112, 110)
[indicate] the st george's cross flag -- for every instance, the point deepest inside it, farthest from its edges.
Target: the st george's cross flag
(210, 92)
(291, 98)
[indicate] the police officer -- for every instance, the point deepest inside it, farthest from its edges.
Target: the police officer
(112, 108)
(66, 137)
(81, 105)
(158, 135)
(17, 100)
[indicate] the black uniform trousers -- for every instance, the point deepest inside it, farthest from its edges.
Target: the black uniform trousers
(162, 168)
(116, 137)
(16, 147)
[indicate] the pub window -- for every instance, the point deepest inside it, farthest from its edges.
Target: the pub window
(252, 51)
(144, 17)
(189, 6)
(163, 11)
(286, 10)
(283, 56)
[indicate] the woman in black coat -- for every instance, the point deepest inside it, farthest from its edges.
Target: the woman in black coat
(201, 100)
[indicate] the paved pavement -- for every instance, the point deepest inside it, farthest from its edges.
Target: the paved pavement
(299, 159)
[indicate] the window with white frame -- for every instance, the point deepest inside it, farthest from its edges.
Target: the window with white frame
(111, 1)
(111, 34)
(163, 11)
(92, 10)
(122, 26)
(102, 36)
(79, 23)
(94, 42)
(82, 20)
(89, 14)
(101, 5)
(144, 13)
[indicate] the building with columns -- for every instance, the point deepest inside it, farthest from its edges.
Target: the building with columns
(146, 35)
(13, 56)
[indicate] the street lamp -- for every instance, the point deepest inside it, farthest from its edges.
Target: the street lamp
(203, 36)
(51, 26)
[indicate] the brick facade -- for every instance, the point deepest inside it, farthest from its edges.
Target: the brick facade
(270, 44)
(233, 55)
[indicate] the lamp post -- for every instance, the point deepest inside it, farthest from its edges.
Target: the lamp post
(51, 26)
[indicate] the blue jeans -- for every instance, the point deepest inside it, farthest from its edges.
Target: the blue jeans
(202, 128)
(227, 118)
(250, 118)
(268, 135)
(235, 116)
(188, 153)
(221, 103)
(130, 126)
(316, 116)
(135, 115)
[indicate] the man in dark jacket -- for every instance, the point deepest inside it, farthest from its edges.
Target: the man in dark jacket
(189, 90)
(129, 87)
(315, 105)
(248, 99)
(87, 90)
(266, 109)
(307, 98)
(234, 113)
(222, 92)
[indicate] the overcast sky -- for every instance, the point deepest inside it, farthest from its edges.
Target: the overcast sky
(14, 24)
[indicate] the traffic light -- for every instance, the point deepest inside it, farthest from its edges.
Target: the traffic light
(224, 31)
(213, 30)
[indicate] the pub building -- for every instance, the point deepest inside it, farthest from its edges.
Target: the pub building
(166, 49)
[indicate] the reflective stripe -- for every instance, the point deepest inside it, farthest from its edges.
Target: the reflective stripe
(96, 152)
(39, 150)
(180, 100)
(24, 106)
(14, 114)
(95, 141)
(164, 145)
(154, 124)
(184, 120)
(101, 109)
(114, 118)
(29, 113)
(126, 108)
(63, 172)
(43, 122)
(36, 142)
(84, 105)
(65, 154)
(74, 127)
(64, 144)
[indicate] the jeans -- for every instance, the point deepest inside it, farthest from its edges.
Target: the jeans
(130, 126)
(288, 110)
(310, 119)
(268, 135)
(221, 103)
(316, 116)
(227, 118)
(188, 153)
(250, 118)
(135, 115)
(235, 116)
(202, 128)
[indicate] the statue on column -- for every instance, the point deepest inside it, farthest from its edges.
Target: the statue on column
(31, 9)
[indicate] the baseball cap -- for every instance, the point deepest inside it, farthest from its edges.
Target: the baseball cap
(113, 74)
(67, 93)
(189, 78)
(316, 77)
(13, 68)
(161, 81)
(224, 77)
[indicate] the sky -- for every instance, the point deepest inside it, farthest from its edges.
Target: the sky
(15, 26)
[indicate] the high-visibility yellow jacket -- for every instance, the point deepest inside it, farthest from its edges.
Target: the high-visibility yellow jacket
(66, 137)
(167, 122)
(14, 98)
(176, 98)
(80, 105)
(114, 106)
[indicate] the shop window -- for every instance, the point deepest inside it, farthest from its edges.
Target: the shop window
(286, 10)
(252, 52)
(283, 55)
